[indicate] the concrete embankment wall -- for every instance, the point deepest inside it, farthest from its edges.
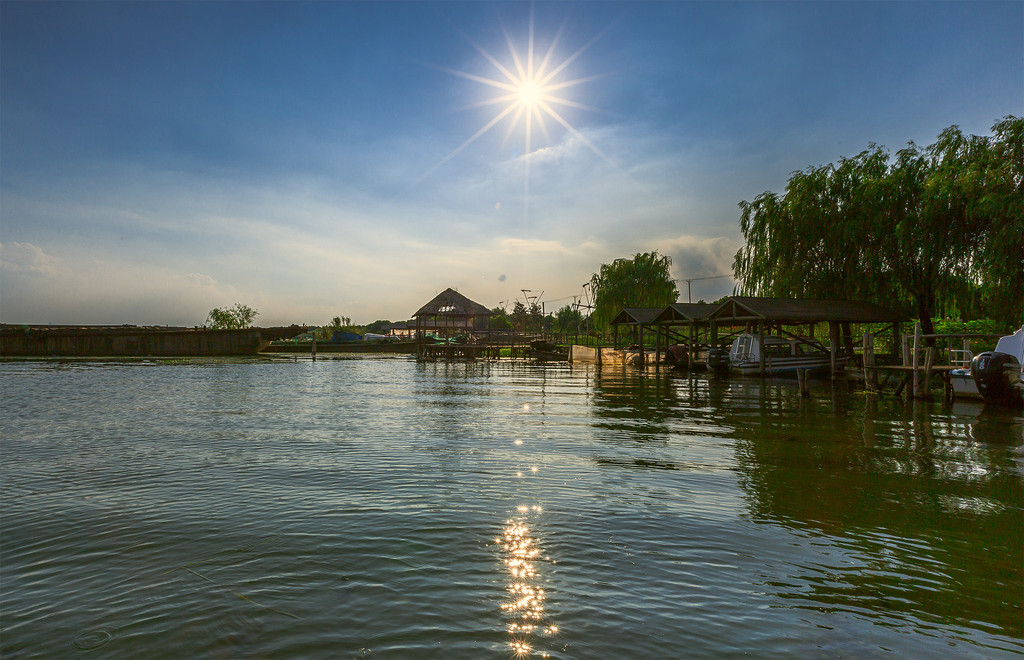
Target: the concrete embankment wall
(588, 354)
(36, 341)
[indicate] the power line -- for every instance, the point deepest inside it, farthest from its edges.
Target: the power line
(700, 279)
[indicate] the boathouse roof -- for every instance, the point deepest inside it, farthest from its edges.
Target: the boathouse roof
(796, 311)
(636, 315)
(451, 303)
(684, 313)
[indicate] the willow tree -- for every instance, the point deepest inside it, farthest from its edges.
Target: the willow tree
(643, 281)
(936, 230)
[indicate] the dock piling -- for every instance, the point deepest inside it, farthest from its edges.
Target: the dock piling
(801, 377)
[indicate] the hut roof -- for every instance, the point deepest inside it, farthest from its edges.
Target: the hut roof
(452, 303)
(636, 315)
(785, 310)
(684, 312)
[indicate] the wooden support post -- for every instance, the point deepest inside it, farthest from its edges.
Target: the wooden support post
(312, 350)
(657, 348)
(640, 343)
(917, 341)
(902, 385)
(760, 352)
(692, 347)
(801, 377)
(833, 345)
(868, 360)
(929, 361)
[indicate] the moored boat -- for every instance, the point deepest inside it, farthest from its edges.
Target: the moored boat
(960, 378)
(780, 355)
(999, 374)
(546, 351)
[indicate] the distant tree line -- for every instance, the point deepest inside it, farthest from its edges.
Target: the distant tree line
(934, 231)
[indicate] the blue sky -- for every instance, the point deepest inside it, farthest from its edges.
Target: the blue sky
(161, 159)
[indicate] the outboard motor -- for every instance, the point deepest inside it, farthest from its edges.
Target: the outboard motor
(718, 359)
(991, 372)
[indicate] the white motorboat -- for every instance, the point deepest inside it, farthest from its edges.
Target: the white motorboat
(781, 355)
(999, 374)
(961, 378)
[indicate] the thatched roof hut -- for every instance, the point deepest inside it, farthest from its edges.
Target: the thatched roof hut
(452, 303)
(450, 309)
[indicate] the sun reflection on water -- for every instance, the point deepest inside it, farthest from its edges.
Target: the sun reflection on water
(524, 607)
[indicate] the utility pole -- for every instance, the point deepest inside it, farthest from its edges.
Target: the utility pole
(700, 279)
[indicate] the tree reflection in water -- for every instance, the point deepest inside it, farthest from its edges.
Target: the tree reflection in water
(912, 511)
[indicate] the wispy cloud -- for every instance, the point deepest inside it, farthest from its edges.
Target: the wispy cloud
(27, 260)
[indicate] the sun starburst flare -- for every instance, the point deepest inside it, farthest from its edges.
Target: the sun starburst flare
(530, 93)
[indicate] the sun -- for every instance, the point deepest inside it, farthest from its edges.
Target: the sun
(530, 94)
(529, 88)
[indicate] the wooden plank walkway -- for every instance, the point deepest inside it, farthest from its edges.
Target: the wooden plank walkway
(473, 351)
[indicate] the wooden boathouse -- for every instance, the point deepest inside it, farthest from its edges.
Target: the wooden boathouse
(761, 316)
(701, 326)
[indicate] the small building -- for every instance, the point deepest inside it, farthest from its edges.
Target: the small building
(399, 330)
(448, 313)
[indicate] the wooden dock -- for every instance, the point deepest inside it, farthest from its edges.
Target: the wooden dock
(456, 352)
(919, 366)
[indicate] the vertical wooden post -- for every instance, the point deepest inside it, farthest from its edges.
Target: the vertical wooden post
(692, 347)
(874, 372)
(801, 377)
(833, 345)
(640, 343)
(761, 351)
(917, 341)
(312, 351)
(868, 360)
(929, 361)
(657, 346)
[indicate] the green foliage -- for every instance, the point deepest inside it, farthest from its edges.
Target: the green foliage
(527, 319)
(934, 231)
(499, 322)
(974, 327)
(643, 281)
(568, 320)
(377, 327)
(234, 318)
(338, 323)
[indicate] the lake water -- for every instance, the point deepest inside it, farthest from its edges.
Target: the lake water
(385, 508)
